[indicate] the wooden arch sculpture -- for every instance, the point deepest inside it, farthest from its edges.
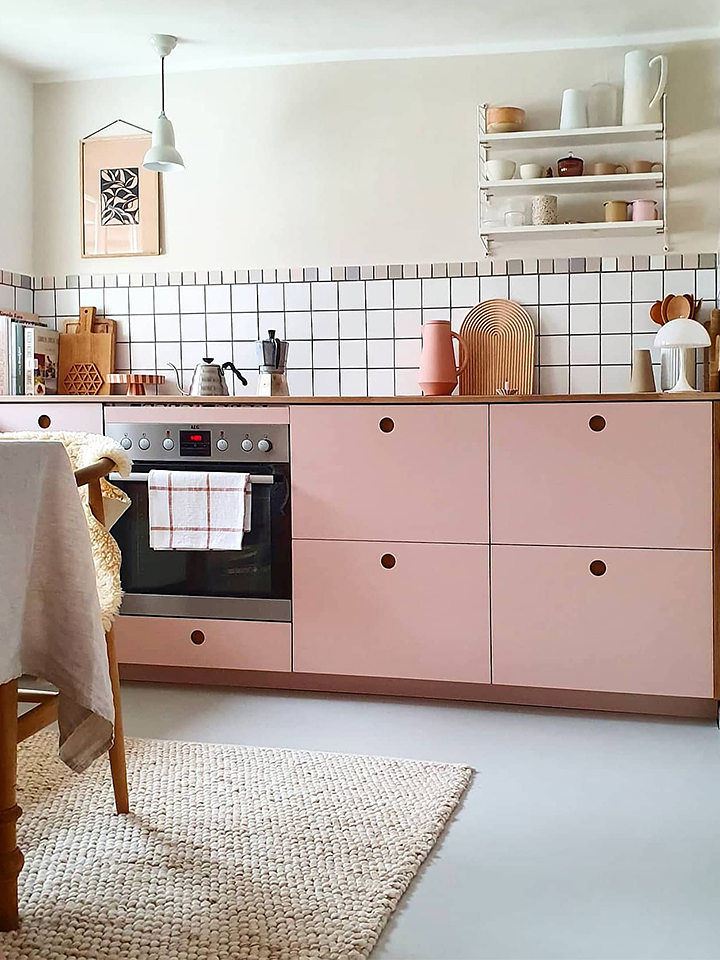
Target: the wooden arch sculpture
(500, 340)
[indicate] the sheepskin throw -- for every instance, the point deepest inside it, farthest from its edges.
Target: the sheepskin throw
(84, 449)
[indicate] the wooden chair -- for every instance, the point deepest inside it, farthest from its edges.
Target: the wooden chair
(14, 730)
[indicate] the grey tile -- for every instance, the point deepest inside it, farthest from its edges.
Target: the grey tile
(215, 276)
(188, 276)
(148, 279)
(310, 274)
(545, 266)
(454, 269)
(708, 260)
(269, 275)
(561, 265)
(499, 268)
(625, 263)
(592, 264)
(395, 271)
(577, 265)
(439, 269)
(296, 275)
(425, 270)
(514, 267)
(338, 273)
(96, 280)
(485, 267)
(228, 276)
(324, 273)
(381, 271)
(469, 269)
(366, 273)
(282, 275)
(255, 275)
(73, 281)
(690, 261)
(641, 263)
(352, 273)
(657, 262)
(175, 278)
(673, 261)
(609, 264)
(530, 266)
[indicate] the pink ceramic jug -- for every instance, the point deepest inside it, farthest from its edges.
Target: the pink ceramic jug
(644, 209)
(438, 374)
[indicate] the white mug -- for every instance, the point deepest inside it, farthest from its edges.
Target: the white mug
(531, 171)
(500, 169)
(574, 113)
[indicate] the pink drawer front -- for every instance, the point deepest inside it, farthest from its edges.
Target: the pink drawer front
(394, 472)
(644, 479)
(36, 415)
(224, 644)
(425, 617)
(644, 625)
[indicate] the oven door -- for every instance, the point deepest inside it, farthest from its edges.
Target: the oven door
(248, 584)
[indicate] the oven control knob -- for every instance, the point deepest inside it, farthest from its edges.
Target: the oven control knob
(126, 443)
(168, 443)
(247, 445)
(144, 443)
(264, 445)
(222, 444)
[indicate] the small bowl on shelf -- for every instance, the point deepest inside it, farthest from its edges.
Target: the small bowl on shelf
(504, 119)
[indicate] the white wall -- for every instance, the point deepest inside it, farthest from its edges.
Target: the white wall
(348, 163)
(16, 163)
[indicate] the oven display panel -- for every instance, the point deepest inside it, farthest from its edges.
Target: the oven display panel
(195, 443)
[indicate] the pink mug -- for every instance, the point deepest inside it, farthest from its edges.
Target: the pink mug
(438, 374)
(644, 209)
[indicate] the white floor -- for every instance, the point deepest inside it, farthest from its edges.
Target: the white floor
(582, 836)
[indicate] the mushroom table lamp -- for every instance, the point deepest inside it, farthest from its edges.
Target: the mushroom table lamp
(681, 334)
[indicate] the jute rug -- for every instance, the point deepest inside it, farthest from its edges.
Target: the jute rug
(230, 853)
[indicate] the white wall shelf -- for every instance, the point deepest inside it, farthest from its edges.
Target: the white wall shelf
(579, 198)
(584, 184)
(586, 135)
(632, 228)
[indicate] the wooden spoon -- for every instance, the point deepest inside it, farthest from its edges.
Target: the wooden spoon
(656, 312)
(691, 300)
(664, 306)
(678, 308)
(696, 308)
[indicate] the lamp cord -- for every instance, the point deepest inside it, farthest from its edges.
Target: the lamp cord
(162, 84)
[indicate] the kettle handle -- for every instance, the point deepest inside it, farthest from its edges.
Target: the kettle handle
(462, 350)
(229, 365)
(662, 60)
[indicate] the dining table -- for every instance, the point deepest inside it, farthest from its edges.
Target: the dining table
(51, 624)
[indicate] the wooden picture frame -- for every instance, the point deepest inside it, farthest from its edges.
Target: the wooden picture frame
(119, 199)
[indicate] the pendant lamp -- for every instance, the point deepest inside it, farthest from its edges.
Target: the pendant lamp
(162, 155)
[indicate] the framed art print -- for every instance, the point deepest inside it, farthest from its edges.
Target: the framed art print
(120, 202)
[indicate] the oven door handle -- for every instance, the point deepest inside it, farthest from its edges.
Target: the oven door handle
(144, 477)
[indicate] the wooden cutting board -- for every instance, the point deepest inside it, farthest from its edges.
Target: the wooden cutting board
(87, 355)
(500, 339)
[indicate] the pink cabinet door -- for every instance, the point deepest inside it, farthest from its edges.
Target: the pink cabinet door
(37, 415)
(618, 474)
(409, 610)
(395, 472)
(640, 623)
(222, 644)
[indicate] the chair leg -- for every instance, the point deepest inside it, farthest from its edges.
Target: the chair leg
(11, 860)
(118, 767)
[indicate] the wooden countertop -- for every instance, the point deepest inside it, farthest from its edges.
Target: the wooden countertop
(254, 401)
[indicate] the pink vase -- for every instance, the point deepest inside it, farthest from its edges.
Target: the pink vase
(438, 373)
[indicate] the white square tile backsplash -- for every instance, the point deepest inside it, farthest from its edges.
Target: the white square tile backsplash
(357, 330)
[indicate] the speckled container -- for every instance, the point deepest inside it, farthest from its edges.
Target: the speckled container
(544, 210)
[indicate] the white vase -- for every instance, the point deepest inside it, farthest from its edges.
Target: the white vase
(573, 113)
(641, 94)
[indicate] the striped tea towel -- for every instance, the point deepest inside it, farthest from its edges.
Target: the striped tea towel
(198, 510)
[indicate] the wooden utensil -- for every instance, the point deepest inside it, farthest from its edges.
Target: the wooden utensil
(656, 313)
(711, 356)
(500, 340)
(691, 300)
(136, 382)
(86, 358)
(696, 308)
(678, 308)
(664, 306)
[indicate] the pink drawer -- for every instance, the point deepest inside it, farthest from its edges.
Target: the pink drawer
(228, 644)
(39, 415)
(425, 617)
(644, 479)
(390, 472)
(642, 626)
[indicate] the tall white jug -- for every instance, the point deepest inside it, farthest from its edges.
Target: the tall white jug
(641, 96)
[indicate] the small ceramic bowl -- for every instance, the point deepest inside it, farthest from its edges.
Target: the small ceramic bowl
(505, 119)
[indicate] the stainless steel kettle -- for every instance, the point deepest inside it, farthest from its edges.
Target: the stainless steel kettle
(208, 379)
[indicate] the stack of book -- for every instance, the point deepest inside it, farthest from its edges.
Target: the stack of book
(28, 355)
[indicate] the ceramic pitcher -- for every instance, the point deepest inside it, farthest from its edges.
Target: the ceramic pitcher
(641, 94)
(438, 373)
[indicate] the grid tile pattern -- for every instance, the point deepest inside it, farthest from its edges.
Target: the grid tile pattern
(356, 331)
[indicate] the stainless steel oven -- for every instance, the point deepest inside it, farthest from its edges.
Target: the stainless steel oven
(248, 584)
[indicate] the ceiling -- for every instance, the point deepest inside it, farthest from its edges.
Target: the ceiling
(66, 39)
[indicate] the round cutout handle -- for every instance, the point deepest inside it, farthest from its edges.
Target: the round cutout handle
(44, 421)
(597, 423)
(387, 425)
(598, 568)
(388, 561)
(197, 637)
(462, 350)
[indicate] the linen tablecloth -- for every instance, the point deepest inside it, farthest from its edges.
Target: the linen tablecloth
(50, 621)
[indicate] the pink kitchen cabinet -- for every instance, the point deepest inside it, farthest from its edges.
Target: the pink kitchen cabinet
(36, 415)
(408, 610)
(395, 472)
(221, 644)
(635, 474)
(636, 621)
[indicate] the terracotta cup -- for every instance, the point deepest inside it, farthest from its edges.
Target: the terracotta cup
(438, 373)
(603, 169)
(644, 166)
(615, 211)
